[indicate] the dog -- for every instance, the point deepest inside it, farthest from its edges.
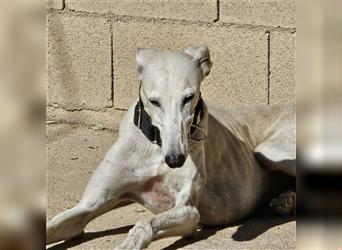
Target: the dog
(191, 163)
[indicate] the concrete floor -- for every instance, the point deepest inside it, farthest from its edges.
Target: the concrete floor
(74, 152)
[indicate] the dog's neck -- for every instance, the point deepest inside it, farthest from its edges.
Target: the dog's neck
(144, 122)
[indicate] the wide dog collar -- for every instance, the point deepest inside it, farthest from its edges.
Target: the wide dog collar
(144, 122)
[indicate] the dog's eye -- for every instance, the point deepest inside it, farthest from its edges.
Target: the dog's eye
(154, 102)
(187, 99)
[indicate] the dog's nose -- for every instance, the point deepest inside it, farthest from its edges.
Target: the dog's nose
(175, 161)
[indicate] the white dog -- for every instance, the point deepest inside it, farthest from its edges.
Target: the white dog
(189, 163)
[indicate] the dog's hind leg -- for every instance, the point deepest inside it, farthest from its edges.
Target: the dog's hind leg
(276, 155)
(103, 193)
(278, 151)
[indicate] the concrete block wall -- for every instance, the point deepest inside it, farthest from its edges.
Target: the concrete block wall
(91, 49)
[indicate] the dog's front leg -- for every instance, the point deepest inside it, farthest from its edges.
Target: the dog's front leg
(103, 193)
(182, 220)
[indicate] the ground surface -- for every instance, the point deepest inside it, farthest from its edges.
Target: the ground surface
(73, 154)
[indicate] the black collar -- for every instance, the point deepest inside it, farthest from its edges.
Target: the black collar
(143, 121)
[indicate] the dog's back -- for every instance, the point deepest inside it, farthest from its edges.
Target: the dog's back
(261, 121)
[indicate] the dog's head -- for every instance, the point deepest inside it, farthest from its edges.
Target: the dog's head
(170, 91)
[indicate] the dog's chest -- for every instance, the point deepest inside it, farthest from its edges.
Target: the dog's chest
(156, 196)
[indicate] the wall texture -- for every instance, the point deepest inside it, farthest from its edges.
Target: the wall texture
(91, 51)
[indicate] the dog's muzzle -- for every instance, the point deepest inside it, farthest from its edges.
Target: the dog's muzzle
(175, 161)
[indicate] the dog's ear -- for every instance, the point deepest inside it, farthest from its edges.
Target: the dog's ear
(142, 57)
(202, 56)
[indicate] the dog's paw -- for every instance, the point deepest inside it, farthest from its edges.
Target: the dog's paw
(284, 204)
(193, 234)
(138, 237)
(55, 233)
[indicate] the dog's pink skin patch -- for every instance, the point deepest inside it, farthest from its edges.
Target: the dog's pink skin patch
(155, 196)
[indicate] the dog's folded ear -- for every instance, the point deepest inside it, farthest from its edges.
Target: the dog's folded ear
(142, 56)
(202, 56)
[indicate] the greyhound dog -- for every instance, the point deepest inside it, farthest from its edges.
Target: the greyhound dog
(190, 163)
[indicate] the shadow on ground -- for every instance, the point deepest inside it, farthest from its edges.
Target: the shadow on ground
(247, 230)
(252, 228)
(89, 236)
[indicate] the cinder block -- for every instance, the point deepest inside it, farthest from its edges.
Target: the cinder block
(282, 67)
(199, 10)
(109, 119)
(79, 62)
(54, 4)
(260, 12)
(239, 73)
